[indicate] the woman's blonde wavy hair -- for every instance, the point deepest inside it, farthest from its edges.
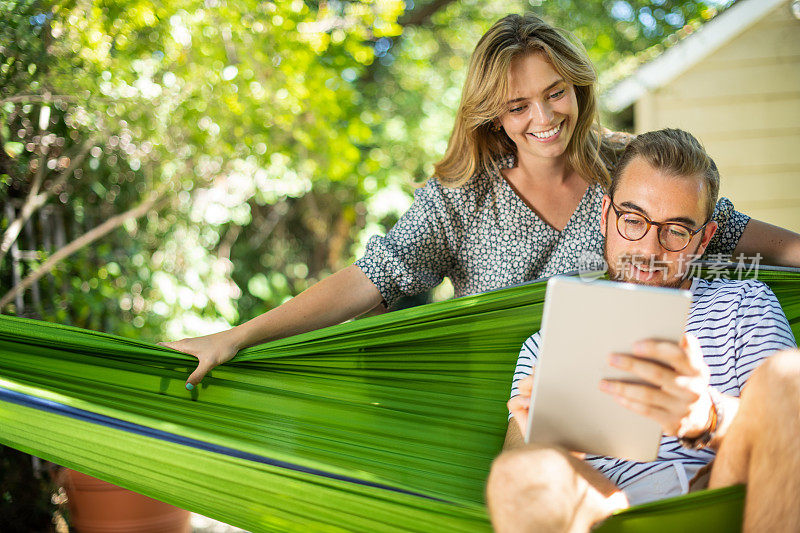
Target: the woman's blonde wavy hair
(475, 146)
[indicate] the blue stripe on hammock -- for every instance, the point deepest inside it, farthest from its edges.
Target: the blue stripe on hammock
(115, 423)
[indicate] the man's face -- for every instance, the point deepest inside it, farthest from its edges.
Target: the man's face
(660, 197)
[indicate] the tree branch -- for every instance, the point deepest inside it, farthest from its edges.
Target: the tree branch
(6, 163)
(416, 17)
(40, 170)
(37, 99)
(422, 15)
(36, 200)
(84, 240)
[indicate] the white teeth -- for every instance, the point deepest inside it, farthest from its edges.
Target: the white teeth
(547, 134)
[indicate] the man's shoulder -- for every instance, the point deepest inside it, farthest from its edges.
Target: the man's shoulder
(732, 291)
(530, 347)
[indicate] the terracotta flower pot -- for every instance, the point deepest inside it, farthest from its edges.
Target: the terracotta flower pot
(99, 507)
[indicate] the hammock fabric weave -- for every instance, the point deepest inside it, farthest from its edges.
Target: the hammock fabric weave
(389, 423)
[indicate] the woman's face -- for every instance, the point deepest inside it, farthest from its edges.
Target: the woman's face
(542, 108)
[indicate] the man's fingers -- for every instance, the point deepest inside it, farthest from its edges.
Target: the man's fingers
(691, 345)
(525, 385)
(519, 406)
(518, 402)
(647, 369)
(642, 394)
(650, 411)
(687, 388)
(668, 353)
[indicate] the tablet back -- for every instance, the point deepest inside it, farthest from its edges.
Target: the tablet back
(583, 322)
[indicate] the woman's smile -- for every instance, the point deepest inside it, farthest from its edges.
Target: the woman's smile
(548, 135)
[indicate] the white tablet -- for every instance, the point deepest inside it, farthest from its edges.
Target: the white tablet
(583, 322)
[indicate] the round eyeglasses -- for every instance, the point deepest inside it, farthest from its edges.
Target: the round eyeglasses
(672, 236)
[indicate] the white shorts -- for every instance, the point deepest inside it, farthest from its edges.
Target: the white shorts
(666, 483)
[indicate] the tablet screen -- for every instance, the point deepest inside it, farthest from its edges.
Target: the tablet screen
(583, 322)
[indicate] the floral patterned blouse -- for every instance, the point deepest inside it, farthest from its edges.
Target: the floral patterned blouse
(483, 236)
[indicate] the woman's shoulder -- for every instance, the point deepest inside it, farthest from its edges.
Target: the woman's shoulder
(480, 181)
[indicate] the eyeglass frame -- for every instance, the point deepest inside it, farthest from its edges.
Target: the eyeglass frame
(659, 225)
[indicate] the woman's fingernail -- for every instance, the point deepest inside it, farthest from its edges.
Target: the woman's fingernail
(189, 386)
(605, 385)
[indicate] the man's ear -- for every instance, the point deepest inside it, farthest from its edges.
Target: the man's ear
(708, 233)
(604, 214)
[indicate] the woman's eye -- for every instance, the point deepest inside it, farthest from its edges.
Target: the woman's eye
(557, 94)
(517, 109)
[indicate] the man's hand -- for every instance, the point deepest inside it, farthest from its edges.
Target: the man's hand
(520, 405)
(678, 398)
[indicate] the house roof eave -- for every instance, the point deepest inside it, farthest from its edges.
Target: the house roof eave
(688, 52)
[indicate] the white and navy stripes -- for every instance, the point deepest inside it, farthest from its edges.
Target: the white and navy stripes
(738, 324)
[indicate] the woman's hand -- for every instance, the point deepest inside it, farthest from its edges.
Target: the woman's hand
(210, 350)
(339, 297)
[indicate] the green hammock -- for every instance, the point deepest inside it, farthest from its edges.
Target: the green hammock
(388, 423)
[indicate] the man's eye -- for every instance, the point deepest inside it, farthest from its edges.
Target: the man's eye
(634, 222)
(557, 94)
(678, 232)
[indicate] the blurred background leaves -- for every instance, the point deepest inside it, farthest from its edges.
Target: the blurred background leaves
(200, 162)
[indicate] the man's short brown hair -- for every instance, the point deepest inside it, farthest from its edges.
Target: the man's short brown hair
(676, 152)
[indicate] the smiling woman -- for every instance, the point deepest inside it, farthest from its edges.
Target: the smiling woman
(517, 195)
(543, 108)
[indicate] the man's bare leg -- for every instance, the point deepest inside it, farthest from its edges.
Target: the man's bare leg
(546, 490)
(761, 447)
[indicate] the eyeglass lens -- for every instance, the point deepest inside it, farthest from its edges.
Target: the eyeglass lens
(673, 237)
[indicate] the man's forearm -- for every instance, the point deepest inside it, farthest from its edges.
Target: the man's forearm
(337, 298)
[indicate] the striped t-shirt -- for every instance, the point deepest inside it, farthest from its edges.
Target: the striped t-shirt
(738, 324)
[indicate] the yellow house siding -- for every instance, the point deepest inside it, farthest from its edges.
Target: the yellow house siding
(743, 103)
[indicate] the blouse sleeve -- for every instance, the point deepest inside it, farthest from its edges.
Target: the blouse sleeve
(731, 226)
(413, 256)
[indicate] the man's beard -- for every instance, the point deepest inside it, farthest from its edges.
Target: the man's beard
(626, 262)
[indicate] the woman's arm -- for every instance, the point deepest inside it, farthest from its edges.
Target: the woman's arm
(339, 297)
(776, 245)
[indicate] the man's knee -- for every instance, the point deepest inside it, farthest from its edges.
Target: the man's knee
(530, 479)
(777, 381)
(530, 466)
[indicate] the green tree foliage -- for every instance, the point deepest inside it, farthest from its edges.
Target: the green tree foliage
(262, 142)
(221, 110)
